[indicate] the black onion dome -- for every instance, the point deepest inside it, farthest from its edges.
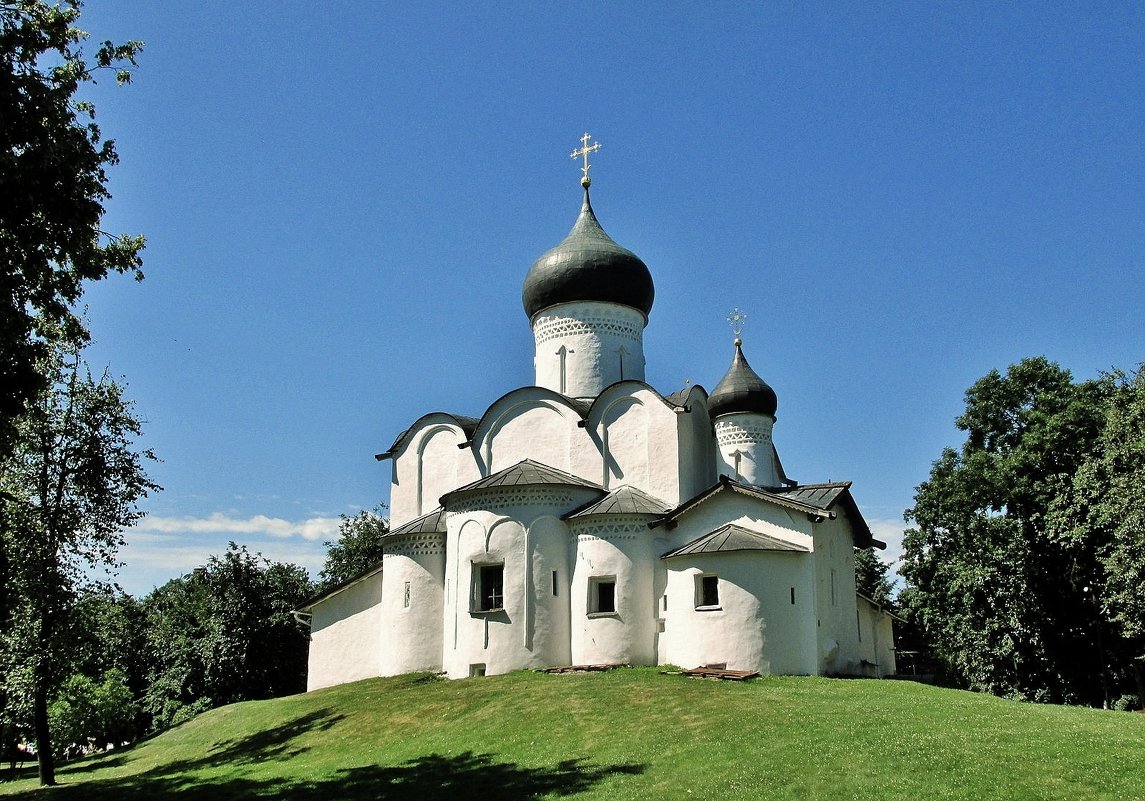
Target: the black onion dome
(742, 390)
(588, 265)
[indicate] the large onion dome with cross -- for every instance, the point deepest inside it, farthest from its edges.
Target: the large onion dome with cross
(588, 300)
(588, 265)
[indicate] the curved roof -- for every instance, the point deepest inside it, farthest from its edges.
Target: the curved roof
(524, 473)
(742, 390)
(587, 265)
(467, 425)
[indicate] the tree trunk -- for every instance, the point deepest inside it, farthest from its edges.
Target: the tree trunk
(43, 736)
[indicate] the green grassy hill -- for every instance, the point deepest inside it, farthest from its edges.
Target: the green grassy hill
(626, 734)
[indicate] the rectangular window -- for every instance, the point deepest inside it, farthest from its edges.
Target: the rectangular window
(554, 583)
(859, 625)
(602, 595)
(476, 670)
(707, 592)
(488, 587)
(793, 596)
(405, 597)
(834, 595)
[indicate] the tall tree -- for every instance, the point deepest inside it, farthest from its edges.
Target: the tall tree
(225, 633)
(53, 179)
(1101, 519)
(70, 487)
(359, 547)
(1000, 599)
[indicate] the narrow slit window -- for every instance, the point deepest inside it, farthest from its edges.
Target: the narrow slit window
(793, 596)
(405, 596)
(554, 583)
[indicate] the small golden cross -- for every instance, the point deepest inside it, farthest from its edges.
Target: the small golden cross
(584, 150)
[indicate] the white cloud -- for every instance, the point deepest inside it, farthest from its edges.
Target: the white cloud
(314, 528)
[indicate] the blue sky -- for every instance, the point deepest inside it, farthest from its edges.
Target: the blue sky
(341, 201)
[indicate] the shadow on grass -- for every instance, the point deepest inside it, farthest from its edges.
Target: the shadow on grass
(434, 777)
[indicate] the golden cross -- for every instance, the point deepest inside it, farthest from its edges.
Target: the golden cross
(584, 150)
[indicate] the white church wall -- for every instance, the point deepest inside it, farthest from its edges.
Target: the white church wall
(429, 465)
(876, 640)
(618, 551)
(547, 624)
(583, 347)
(763, 621)
(745, 449)
(835, 590)
(530, 427)
(413, 569)
(639, 438)
(508, 527)
(345, 635)
(696, 466)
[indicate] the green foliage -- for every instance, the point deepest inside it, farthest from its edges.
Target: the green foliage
(1101, 519)
(225, 633)
(359, 547)
(70, 487)
(88, 714)
(627, 734)
(53, 179)
(1005, 601)
(872, 577)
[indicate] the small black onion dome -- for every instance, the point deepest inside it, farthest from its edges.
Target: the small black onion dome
(742, 390)
(587, 265)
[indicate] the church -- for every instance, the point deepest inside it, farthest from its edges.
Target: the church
(591, 520)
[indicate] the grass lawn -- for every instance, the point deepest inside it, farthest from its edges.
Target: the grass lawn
(626, 734)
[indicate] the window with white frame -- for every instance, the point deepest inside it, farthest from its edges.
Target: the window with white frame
(602, 595)
(488, 587)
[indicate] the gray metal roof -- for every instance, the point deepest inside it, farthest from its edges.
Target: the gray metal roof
(821, 495)
(587, 265)
(525, 473)
(624, 500)
(433, 522)
(734, 538)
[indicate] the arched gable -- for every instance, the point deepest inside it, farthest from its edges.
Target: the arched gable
(638, 432)
(538, 424)
(428, 462)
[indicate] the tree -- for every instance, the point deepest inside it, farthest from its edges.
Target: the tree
(53, 179)
(872, 577)
(1000, 599)
(90, 714)
(70, 487)
(1103, 514)
(225, 633)
(359, 547)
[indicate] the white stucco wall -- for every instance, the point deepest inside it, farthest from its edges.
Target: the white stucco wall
(754, 627)
(428, 465)
(745, 450)
(637, 436)
(839, 651)
(519, 528)
(581, 348)
(620, 549)
(345, 635)
(876, 639)
(411, 625)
